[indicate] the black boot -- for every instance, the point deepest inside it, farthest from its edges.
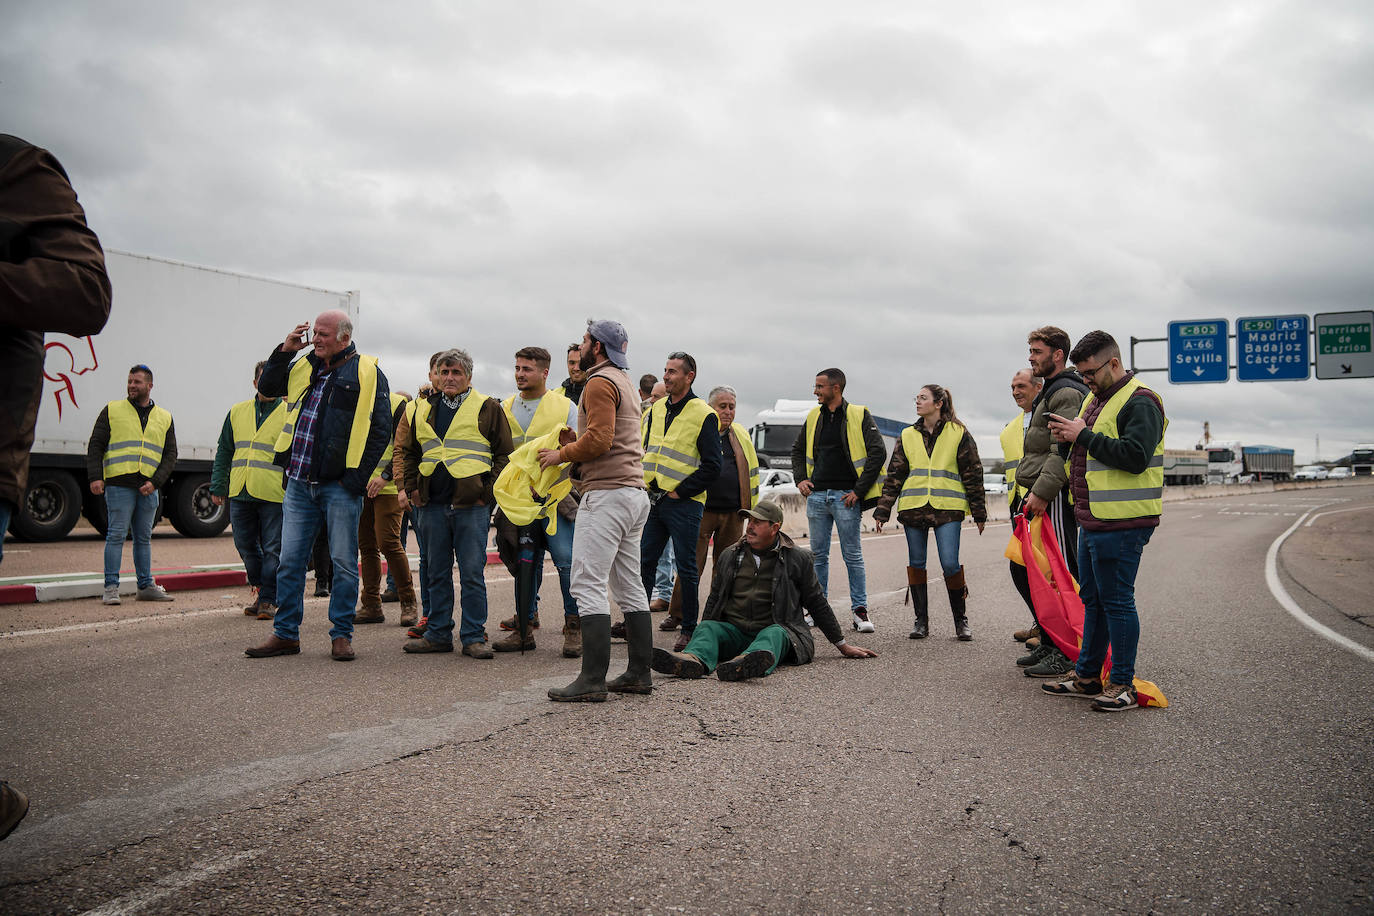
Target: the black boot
(916, 591)
(590, 686)
(639, 633)
(958, 591)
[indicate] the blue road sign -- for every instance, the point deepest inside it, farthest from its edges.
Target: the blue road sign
(1198, 352)
(1272, 349)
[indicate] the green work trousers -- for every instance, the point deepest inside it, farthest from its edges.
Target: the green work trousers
(716, 639)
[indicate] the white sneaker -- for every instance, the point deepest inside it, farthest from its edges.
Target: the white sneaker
(810, 621)
(111, 594)
(861, 621)
(154, 592)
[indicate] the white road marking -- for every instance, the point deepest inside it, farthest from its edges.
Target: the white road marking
(1271, 578)
(1333, 512)
(169, 884)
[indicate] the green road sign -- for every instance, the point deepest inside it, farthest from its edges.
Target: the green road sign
(1345, 344)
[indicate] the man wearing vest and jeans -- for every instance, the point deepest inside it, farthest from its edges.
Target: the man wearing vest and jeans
(338, 423)
(838, 463)
(246, 474)
(1116, 472)
(459, 443)
(130, 456)
(533, 413)
(681, 459)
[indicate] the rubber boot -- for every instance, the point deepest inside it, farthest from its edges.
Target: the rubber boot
(916, 591)
(639, 634)
(958, 591)
(590, 685)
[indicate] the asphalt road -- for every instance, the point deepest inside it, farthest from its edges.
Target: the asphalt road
(170, 773)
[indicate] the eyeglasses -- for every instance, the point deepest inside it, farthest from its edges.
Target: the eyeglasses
(1091, 373)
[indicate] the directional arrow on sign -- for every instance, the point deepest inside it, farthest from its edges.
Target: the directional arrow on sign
(1273, 369)
(1198, 371)
(1345, 368)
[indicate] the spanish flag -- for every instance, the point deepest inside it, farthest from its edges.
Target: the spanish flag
(1055, 594)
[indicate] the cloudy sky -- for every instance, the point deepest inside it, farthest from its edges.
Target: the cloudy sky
(899, 189)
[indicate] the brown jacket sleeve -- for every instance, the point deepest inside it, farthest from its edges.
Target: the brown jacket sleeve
(398, 451)
(897, 471)
(600, 400)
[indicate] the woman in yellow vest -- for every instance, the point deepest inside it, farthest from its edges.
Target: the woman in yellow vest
(935, 479)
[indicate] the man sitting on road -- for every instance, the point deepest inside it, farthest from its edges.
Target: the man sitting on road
(763, 585)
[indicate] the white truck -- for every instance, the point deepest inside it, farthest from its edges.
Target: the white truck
(201, 331)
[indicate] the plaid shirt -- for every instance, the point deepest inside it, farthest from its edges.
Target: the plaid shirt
(303, 442)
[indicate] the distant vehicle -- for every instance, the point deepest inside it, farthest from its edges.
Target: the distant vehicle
(1185, 466)
(775, 482)
(995, 484)
(1362, 460)
(1311, 472)
(1231, 462)
(1341, 473)
(201, 330)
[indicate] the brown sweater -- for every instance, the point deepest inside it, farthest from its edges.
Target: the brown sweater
(608, 450)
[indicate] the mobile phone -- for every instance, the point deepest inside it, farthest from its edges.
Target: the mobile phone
(1056, 417)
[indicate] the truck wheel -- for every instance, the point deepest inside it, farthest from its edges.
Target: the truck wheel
(192, 512)
(50, 508)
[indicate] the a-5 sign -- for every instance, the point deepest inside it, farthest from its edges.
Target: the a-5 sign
(1272, 348)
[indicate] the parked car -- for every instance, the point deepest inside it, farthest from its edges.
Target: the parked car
(995, 484)
(1340, 473)
(775, 482)
(1311, 472)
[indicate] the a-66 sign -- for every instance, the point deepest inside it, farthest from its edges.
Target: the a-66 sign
(1198, 352)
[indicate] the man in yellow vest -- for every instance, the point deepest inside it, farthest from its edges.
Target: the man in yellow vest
(247, 476)
(838, 463)
(459, 443)
(1025, 385)
(379, 535)
(338, 424)
(129, 458)
(681, 459)
(1116, 472)
(533, 412)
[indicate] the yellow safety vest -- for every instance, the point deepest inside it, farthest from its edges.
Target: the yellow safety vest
(1013, 449)
(526, 492)
(551, 413)
(1114, 494)
(671, 456)
(389, 488)
(858, 452)
(462, 451)
(298, 383)
(933, 478)
(745, 446)
(134, 448)
(252, 466)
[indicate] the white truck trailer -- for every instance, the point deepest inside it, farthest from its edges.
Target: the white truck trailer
(201, 331)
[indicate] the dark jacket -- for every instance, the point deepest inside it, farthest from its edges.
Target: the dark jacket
(52, 278)
(100, 441)
(796, 590)
(469, 491)
(1042, 469)
(873, 444)
(335, 423)
(970, 475)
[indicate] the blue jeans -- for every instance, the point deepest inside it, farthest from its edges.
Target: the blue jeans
(663, 575)
(257, 538)
(448, 533)
(946, 542)
(822, 508)
(1107, 564)
(678, 520)
(6, 510)
(559, 545)
(305, 507)
(127, 508)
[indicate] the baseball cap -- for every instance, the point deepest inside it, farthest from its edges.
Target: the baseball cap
(613, 337)
(765, 511)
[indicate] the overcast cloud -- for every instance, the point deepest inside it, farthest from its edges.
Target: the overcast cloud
(902, 190)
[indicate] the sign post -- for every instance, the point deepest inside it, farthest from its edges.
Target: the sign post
(1198, 351)
(1272, 349)
(1345, 344)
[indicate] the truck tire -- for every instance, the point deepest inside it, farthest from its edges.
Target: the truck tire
(191, 511)
(50, 508)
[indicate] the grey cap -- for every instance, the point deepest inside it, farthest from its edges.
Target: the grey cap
(765, 511)
(613, 337)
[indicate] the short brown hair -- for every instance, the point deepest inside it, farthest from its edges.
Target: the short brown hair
(537, 355)
(835, 375)
(1052, 337)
